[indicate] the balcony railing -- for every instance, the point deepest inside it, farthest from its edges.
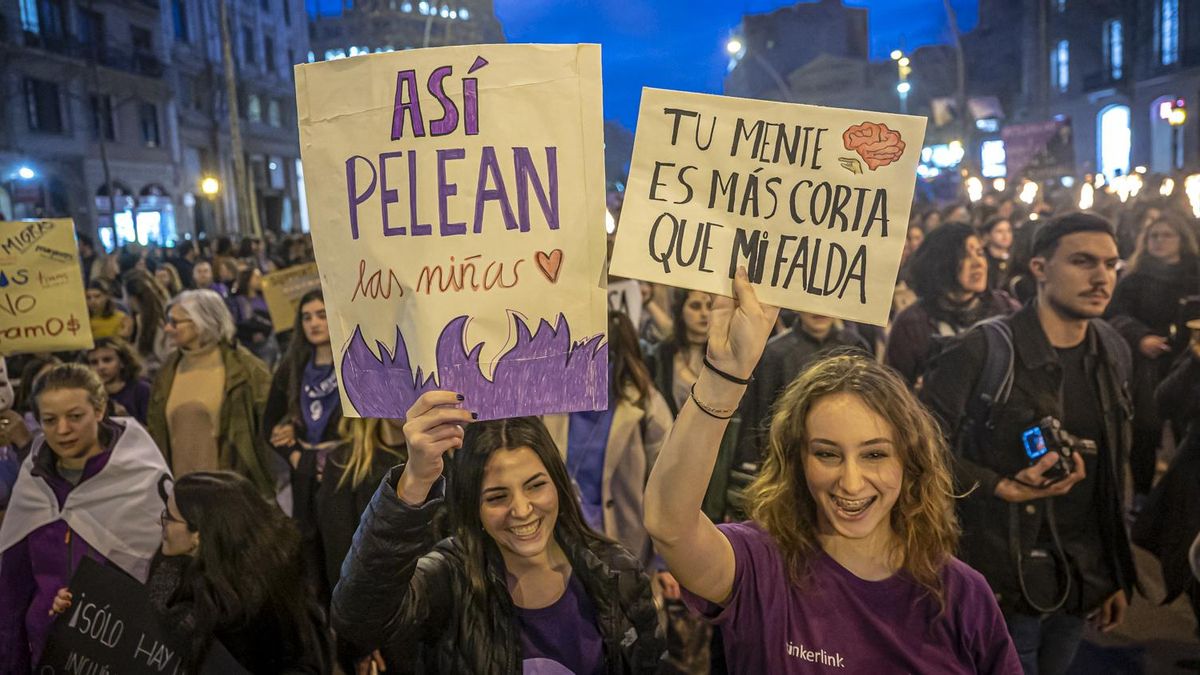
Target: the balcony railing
(136, 62)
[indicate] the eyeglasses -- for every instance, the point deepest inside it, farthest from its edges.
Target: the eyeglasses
(166, 517)
(172, 321)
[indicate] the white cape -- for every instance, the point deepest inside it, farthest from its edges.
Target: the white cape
(117, 511)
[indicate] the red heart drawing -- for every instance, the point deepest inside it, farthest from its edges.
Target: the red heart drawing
(549, 264)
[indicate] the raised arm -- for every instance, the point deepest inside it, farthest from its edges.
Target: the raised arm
(696, 552)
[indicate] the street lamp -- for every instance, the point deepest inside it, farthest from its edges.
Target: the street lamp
(736, 49)
(733, 46)
(1176, 118)
(26, 173)
(903, 68)
(210, 186)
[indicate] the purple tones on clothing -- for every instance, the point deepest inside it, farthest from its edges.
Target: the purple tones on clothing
(562, 638)
(837, 622)
(587, 441)
(318, 399)
(135, 398)
(544, 372)
(35, 568)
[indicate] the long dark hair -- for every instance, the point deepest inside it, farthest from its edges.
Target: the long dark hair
(247, 562)
(482, 559)
(299, 353)
(628, 368)
(242, 286)
(679, 299)
(935, 264)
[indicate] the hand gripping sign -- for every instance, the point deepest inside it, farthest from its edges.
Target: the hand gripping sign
(813, 201)
(456, 197)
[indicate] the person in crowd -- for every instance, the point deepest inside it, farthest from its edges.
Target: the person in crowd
(89, 260)
(120, 370)
(949, 274)
(655, 321)
(148, 300)
(229, 573)
(904, 294)
(1048, 533)
(1021, 283)
(23, 421)
(356, 467)
(851, 534)
(105, 316)
(202, 278)
(784, 357)
(522, 584)
(253, 252)
(207, 401)
(250, 316)
(1163, 270)
(932, 220)
(1130, 225)
(87, 489)
(184, 262)
(168, 277)
(226, 269)
(610, 452)
(997, 245)
(676, 362)
(1169, 523)
(302, 417)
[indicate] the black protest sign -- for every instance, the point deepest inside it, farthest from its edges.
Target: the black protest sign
(111, 629)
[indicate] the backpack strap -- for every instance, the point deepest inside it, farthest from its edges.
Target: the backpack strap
(993, 386)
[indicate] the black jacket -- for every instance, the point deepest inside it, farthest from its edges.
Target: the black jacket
(401, 590)
(911, 341)
(1036, 392)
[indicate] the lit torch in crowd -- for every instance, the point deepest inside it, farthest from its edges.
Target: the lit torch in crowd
(1029, 190)
(1191, 187)
(974, 188)
(1086, 196)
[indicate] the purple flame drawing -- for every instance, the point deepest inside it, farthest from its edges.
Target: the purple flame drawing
(544, 372)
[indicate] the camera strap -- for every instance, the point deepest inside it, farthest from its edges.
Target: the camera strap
(1063, 568)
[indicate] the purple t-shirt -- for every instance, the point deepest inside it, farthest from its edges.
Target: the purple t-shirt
(562, 639)
(838, 622)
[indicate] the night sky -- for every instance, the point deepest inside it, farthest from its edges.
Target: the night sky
(679, 44)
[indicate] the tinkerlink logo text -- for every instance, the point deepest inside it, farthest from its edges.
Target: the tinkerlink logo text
(822, 657)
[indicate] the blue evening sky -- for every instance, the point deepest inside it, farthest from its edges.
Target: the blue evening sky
(679, 44)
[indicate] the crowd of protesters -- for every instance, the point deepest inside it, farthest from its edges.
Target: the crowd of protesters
(766, 491)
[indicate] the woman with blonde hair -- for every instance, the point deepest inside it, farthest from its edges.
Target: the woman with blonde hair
(847, 561)
(352, 474)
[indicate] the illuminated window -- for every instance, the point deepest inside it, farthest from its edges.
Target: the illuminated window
(253, 108)
(1114, 48)
(1166, 31)
(1114, 140)
(1060, 66)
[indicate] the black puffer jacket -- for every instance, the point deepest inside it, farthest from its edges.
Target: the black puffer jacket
(401, 590)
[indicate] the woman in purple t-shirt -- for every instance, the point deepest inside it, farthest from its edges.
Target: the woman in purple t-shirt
(847, 562)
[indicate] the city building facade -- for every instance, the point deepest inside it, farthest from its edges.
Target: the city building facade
(371, 26)
(128, 98)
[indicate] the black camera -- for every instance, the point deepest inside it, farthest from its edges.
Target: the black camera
(1049, 436)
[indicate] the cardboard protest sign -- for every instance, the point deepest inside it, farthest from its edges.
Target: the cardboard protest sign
(456, 197)
(626, 296)
(42, 305)
(813, 201)
(282, 291)
(111, 628)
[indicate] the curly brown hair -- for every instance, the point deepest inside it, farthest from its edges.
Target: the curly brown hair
(923, 518)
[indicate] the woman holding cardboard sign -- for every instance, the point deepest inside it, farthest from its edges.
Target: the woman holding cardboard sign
(523, 583)
(847, 559)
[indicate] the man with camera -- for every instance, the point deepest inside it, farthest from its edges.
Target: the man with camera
(1037, 412)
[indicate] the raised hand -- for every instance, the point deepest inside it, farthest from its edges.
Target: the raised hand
(433, 426)
(739, 328)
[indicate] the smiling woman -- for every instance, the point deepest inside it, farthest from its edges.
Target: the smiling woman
(521, 585)
(847, 559)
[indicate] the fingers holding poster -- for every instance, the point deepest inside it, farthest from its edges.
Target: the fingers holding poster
(457, 207)
(813, 201)
(42, 306)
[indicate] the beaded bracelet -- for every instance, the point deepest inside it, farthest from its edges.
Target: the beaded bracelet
(716, 413)
(724, 375)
